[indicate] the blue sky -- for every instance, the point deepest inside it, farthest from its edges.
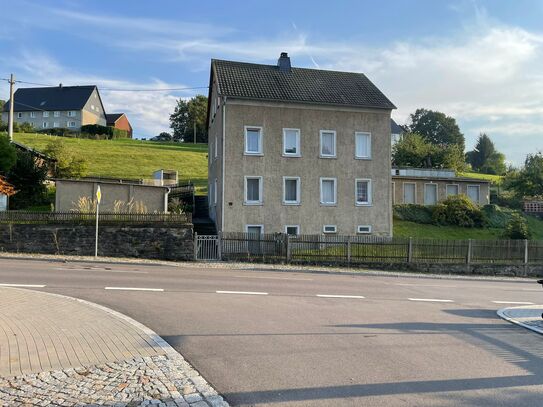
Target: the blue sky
(479, 61)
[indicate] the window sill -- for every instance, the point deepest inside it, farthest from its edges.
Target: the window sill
(328, 204)
(253, 203)
(253, 154)
(291, 203)
(363, 204)
(363, 158)
(328, 156)
(291, 155)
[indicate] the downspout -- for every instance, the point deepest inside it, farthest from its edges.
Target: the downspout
(223, 154)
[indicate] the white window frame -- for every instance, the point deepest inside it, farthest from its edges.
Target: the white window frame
(19, 115)
(362, 133)
(71, 124)
(403, 192)
(292, 226)
(56, 114)
(478, 193)
(369, 202)
(215, 192)
(255, 226)
(447, 190)
(437, 193)
(298, 137)
(329, 231)
(56, 124)
(261, 131)
(92, 107)
(71, 113)
(260, 190)
(321, 155)
(298, 190)
(335, 191)
(44, 125)
(32, 115)
(363, 232)
(45, 114)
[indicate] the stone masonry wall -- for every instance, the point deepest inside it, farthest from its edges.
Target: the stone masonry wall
(164, 243)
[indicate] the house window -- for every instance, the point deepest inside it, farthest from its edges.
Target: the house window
(45, 114)
(97, 109)
(71, 124)
(92, 107)
(44, 125)
(363, 192)
(291, 142)
(253, 140)
(363, 229)
(329, 229)
(253, 190)
(362, 145)
(328, 191)
(393, 193)
(56, 114)
(474, 192)
(409, 193)
(257, 230)
(291, 190)
(215, 192)
(452, 189)
(56, 124)
(328, 144)
(32, 115)
(71, 113)
(430, 194)
(292, 230)
(19, 115)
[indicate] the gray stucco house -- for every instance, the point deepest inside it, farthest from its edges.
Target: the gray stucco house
(57, 107)
(298, 151)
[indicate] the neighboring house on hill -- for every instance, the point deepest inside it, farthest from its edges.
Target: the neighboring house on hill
(295, 150)
(57, 107)
(396, 132)
(119, 121)
(428, 186)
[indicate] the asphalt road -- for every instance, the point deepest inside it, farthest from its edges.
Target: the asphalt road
(275, 338)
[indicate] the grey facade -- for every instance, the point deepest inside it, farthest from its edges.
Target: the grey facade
(294, 179)
(60, 107)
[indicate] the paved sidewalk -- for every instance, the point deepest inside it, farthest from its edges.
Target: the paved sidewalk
(60, 351)
(528, 316)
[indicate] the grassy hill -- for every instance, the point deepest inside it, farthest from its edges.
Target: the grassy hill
(495, 179)
(125, 158)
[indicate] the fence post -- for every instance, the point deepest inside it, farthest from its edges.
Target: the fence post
(195, 245)
(468, 256)
(410, 251)
(349, 250)
(287, 248)
(219, 246)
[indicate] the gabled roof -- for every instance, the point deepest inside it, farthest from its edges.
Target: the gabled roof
(302, 85)
(395, 128)
(111, 118)
(52, 98)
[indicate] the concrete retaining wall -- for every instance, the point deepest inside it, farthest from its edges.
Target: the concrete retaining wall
(164, 243)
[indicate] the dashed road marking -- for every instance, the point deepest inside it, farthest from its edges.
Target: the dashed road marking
(134, 289)
(429, 300)
(242, 292)
(514, 302)
(339, 296)
(23, 285)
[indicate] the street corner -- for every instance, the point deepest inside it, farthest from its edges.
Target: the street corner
(527, 316)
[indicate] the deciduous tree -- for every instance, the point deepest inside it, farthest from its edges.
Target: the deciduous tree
(188, 116)
(437, 128)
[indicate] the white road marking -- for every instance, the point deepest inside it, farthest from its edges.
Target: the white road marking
(134, 289)
(429, 300)
(101, 270)
(514, 302)
(241, 292)
(426, 285)
(339, 296)
(23, 285)
(277, 278)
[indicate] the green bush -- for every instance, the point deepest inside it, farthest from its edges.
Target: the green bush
(458, 210)
(517, 228)
(96, 129)
(58, 131)
(119, 133)
(413, 213)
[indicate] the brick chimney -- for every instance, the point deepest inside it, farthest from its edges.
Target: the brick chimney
(284, 62)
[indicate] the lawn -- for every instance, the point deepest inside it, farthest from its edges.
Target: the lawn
(125, 158)
(495, 179)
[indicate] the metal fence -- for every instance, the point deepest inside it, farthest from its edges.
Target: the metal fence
(78, 218)
(322, 249)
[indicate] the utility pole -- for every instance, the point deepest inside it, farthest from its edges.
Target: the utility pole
(11, 103)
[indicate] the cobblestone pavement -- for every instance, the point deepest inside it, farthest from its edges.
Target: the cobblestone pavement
(58, 351)
(528, 316)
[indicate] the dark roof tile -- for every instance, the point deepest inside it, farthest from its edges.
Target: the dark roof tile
(52, 98)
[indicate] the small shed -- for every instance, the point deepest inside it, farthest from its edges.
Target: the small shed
(165, 177)
(6, 190)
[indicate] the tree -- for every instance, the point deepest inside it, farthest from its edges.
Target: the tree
(186, 115)
(413, 150)
(68, 164)
(164, 136)
(8, 155)
(485, 158)
(517, 228)
(529, 180)
(437, 128)
(28, 179)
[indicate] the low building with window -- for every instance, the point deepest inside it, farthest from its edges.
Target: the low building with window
(298, 151)
(60, 106)
(426, 186)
